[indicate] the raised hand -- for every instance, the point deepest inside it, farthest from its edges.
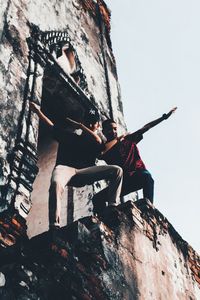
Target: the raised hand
(34, 107)
(173, 110)
(166, 116)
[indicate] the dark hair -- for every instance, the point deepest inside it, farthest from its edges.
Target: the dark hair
(107, 122)
(92, 116)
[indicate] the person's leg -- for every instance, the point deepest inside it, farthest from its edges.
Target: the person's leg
(140, 179)
(99, 201)
(131, 183)
(89, 175)
(60, 177)
(148, 186)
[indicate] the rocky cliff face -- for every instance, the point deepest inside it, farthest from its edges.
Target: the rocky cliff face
(132, 253)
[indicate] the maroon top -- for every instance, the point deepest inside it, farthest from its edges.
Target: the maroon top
(126, 154)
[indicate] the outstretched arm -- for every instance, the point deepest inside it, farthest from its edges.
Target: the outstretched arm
(112, 143)
(36, 108)
(88, 132)
(153, 123)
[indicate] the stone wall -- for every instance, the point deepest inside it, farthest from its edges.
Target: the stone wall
(133, 253)
(32, 35)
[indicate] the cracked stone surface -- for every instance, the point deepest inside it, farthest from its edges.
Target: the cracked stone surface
(133, 252)
(78, 19)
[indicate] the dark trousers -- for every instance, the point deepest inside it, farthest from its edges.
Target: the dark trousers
(140, 179)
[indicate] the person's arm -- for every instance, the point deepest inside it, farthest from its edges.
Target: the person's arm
(112, 143)
(152, 124)
(88, 132)
(36, 109)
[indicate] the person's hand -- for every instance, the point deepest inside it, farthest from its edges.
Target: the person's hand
(34, 107)
(73, 123)
(166, 116)
(173, 110)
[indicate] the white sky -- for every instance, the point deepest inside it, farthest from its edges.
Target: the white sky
(157, 48)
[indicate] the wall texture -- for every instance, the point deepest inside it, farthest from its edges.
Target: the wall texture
(134, 253)
(33, 35)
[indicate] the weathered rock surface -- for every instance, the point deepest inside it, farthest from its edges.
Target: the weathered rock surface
(132, 253)
(34, 67)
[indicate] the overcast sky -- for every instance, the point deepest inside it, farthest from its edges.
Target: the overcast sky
(157, 48)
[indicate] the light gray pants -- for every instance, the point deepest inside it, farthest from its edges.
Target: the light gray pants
(64, 175)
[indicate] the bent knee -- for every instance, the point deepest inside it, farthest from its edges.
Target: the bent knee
(148, 177)
(56, 186)
(117, 170)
